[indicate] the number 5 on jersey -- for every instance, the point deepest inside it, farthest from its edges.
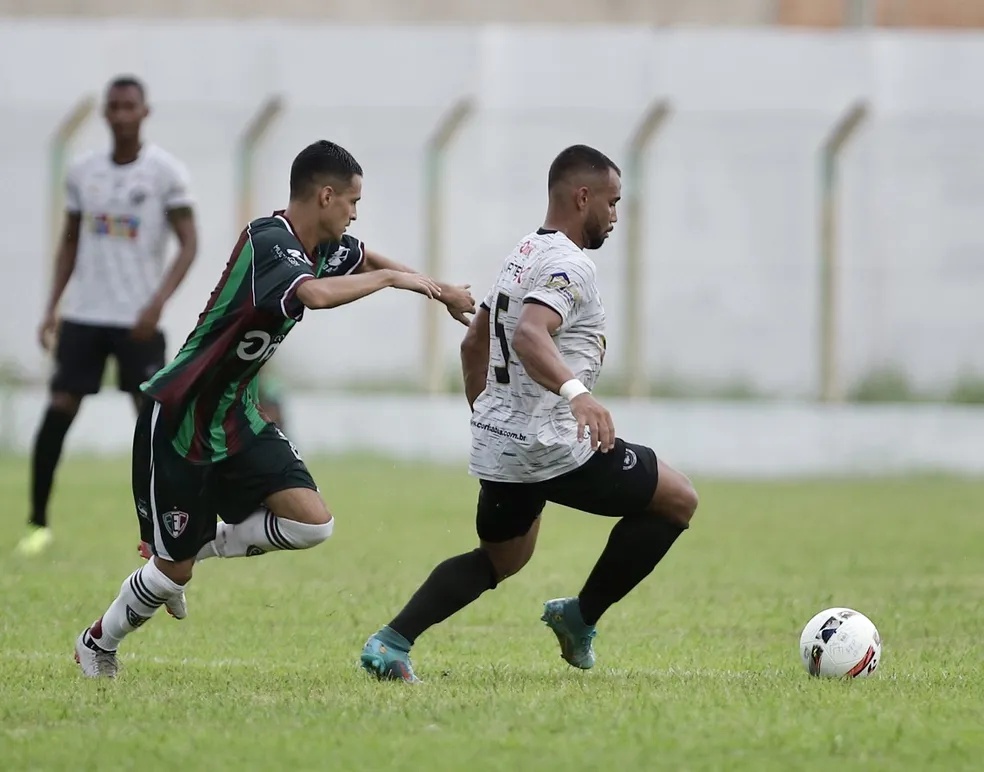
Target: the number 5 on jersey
(501, 307)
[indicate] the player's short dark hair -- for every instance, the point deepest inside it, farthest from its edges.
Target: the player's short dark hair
(578, 158)
(128, 81)
(319, 160)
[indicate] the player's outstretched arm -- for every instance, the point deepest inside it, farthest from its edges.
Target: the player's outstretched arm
(456, 297)
(534, 346)
(475, 356)
(68, 247)
(334, 291)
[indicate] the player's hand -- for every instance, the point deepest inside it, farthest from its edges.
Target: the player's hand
(416, 282)
(592, 416)
(47, 330)
(146, 326)
(459, 301)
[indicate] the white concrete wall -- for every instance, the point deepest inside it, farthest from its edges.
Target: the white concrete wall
(731, 227)
(746, 12)
(741, 440)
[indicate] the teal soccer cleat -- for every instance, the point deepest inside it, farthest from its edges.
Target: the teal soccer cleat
(386, 661)
(563, 616)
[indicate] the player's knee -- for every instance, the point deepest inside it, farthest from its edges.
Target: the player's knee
(509, 558)
(65, 403)
(687, 501)
(316, 513)
(505, 566)
(675, 498)
(301, 505)
(178, 572)
(303, 536)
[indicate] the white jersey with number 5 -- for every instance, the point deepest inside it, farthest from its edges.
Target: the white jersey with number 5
(521, 432)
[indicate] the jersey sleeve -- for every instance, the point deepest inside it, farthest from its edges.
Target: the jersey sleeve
(279, 268)
(177, 186)
(564, 280)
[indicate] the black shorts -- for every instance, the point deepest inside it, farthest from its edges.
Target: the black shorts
(178, 502)
(619, 483)
(82, 352)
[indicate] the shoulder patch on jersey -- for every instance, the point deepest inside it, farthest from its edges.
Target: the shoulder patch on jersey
(558, 280)
(561, 281)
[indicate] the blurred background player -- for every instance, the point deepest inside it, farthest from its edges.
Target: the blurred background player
(530, 358)
(111, 268)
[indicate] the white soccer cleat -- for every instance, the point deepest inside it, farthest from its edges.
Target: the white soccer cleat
(95, 662)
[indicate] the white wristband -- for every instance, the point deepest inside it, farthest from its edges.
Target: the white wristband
(572, 388)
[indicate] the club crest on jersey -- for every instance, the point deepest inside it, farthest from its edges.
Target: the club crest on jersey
(138, 196)
(175, 522)
(338, 257)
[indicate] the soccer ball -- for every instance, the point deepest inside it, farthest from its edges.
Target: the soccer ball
(840, 643)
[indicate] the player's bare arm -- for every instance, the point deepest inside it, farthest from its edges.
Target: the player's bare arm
(456, 297)
(182, 222)
(535, 348)
(475, 356)
(334, 291)
(68, 247)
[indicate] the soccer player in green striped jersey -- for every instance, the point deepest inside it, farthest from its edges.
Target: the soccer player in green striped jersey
(201, 447)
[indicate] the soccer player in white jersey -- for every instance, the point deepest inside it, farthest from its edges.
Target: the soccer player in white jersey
(111, 267)
(530, 358)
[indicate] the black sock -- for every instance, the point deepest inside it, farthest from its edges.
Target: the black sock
(451, 586)
(47, 450)
(634, 547)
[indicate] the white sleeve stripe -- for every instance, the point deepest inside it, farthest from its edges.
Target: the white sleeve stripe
(252, 262)
(360, 261)
(291, 289)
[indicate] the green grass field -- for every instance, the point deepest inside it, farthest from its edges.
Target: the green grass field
(698, 668)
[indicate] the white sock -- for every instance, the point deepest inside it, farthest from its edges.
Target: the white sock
(263, 532)
(141, 594)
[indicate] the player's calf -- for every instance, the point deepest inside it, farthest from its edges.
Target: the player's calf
(141, 594)
(177, 606)
(638, 542)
